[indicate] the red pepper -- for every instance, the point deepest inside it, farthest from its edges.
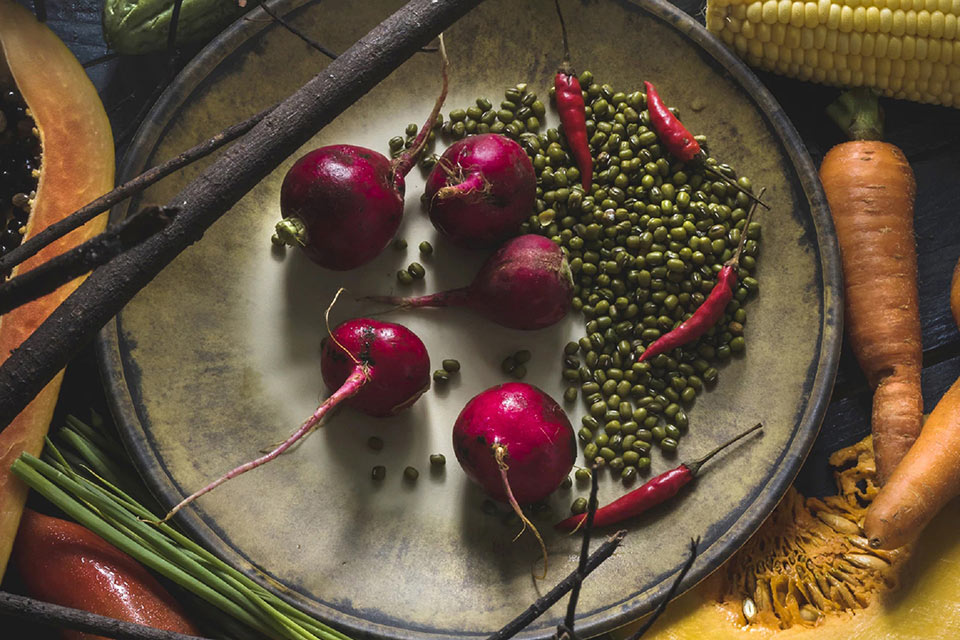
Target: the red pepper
(66, 564)
(570, 106)
(678, 140)
(712, 309)
(706, 315)
(649, 494)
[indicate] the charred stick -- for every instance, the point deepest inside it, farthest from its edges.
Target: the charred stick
(83, 215)
(670, 593)
(201, 203)
(68, 618)
(543, 603)
(297, 32)
(97, 251)
(584, 551)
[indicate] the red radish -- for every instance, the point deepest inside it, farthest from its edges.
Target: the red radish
(516, 443)
(526, 284)
(481, 190)
(378, 368)
(342, 204)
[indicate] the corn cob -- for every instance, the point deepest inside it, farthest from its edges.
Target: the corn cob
(902, 48)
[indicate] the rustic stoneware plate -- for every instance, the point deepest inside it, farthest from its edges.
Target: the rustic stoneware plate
(218, 357)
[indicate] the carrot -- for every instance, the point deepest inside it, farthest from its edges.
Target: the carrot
(926, 478)
(870, 188)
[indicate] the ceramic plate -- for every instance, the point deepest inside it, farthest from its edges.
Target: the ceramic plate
(219, 356)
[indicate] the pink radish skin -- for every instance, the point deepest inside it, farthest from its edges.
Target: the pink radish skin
(481, 190)
(342, 204)
(397, 360)
(540, 446)
(384, 369)
(526, 284)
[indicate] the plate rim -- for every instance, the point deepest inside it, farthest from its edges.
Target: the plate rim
(798, 447)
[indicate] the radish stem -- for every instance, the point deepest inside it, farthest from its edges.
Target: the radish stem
(500, 453)
(350, 388)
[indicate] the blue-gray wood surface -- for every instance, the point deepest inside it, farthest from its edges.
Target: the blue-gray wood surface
(928, 135)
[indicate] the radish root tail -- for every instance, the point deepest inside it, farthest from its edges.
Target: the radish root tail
(499, 454)
(350, 388)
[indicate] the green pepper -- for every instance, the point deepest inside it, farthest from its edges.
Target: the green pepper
(142, 26)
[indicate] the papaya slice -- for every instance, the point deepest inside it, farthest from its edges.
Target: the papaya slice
(76, 165)
(808, 574)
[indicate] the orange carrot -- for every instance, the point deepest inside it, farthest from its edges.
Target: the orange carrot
(870, 188)
(926, 478)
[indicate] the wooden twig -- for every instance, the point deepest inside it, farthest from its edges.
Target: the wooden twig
(57, 230)
(235, 172)
(99, 250)
(670, 593)
(584, 552)
(172, 30)
(67, 618)
(546, 601)
(297, 32)
(107, 57)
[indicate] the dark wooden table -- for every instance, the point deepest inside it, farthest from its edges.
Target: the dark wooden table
(928, 135)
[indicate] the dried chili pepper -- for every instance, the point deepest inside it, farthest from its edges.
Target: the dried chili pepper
(680, 142)
(66, 564)
(710, 311)
(570, 106)
(653, 492)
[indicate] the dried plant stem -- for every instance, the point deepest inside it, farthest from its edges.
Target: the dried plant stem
(216, 189)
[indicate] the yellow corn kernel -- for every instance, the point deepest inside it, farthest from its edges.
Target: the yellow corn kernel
(905, 48)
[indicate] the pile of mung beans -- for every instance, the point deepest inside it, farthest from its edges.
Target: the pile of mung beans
(644, 247)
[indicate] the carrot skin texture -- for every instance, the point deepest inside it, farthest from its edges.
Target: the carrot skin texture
(573, 117)
(870, 189)
(651, 493)
(924, 481)
(676, 137)
(66, 564)
(706, 316)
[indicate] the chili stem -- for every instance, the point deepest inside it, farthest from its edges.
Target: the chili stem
(734, 261)
(694, 466)
(733, 183)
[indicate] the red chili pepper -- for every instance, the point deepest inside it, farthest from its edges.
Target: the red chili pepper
(649, 494)
(570, 106)
(710, 311)
(678, 140)
(66, 564)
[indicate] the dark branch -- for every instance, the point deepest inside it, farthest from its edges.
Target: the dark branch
(670, 593)
(300, 34)
(107, 57)
(584, 551)
(80, 217)
(172, 31)
(40, 10)
(201, 203)
(99, 250)
(543, 603)
(66, 618)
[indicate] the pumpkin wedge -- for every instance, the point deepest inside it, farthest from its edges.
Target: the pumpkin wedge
(809, 574)
(76, 166)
